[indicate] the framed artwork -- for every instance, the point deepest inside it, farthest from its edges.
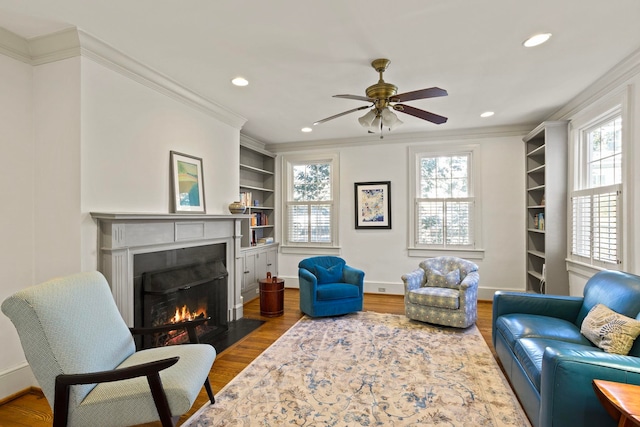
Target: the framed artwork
(187, 183)
(373, 204)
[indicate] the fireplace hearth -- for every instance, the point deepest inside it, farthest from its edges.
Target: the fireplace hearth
(181, 284)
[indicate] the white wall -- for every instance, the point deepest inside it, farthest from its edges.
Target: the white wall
(383, 254)
(17, 186)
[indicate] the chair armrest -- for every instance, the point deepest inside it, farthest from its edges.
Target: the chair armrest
(413, 280)
(566, 388)
(353, 276)
(471, 280)
(189, 325)
(65, 381)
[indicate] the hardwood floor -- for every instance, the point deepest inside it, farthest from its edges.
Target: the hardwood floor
(32, 409)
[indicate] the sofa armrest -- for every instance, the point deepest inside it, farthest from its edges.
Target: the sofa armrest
(413, 280)
(561, 307)
(353, 276)
(566, 392)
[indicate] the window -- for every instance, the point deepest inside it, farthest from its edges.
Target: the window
(597, 194)
(444, 214)
(310, 201)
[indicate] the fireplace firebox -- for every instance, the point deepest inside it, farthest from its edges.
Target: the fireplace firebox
(181, 284)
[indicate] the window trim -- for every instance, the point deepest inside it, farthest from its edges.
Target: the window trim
(617, 103)
(287, 163)
(415, 153)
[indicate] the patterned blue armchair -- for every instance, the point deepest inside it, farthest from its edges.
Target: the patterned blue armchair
(329, 287)
(444, 291)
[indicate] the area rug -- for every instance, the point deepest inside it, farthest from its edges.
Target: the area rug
(368, 369)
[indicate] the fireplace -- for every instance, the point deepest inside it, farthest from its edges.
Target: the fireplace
(165, 246)
(181, 284)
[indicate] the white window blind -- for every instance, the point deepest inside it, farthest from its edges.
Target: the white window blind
(595, 232)
(446, 222)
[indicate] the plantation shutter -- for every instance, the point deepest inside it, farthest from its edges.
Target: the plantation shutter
(595, 219)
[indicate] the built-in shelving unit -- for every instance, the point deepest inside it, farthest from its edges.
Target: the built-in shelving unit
(257, 186)
(546, 216)
(257, 190)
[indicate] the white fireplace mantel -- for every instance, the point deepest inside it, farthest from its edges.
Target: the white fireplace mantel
(123, 235)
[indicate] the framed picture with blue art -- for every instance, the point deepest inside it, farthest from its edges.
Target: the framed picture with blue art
(187, 183)
(373, 204)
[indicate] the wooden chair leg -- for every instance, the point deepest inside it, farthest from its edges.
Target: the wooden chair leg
(160, 399)
(207, 386)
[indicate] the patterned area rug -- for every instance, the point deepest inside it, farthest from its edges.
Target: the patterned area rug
(368, 369)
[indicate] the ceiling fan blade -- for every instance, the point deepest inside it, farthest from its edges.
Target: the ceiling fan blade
(421, 114)
(356, 97)
(341, 114)
(431, 92)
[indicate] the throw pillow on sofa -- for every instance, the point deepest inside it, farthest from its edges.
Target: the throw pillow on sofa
(610, 331)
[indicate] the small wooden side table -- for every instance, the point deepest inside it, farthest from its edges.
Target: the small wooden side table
(271, 296)
(622, 401)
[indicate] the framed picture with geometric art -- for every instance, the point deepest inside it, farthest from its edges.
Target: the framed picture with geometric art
(373, 204)
(187, 184)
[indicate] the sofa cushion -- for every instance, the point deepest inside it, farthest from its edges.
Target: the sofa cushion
(529, 352)
(610, 331)
(331, 291)
(515, 326)
(443, 280)
(436, 297)
(332, 274)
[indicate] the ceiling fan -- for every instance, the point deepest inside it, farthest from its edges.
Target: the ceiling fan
(384, 97)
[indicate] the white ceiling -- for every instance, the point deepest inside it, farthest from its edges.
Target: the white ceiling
(297, 54)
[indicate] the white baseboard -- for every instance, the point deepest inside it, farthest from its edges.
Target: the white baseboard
(16, 379)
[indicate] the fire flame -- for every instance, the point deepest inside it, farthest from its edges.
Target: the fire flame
(184, 314)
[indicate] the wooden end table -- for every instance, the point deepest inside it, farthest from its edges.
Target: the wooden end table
(271, 296)
(622, 401)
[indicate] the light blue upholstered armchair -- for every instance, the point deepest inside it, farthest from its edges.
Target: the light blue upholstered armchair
(443, 291)
(84, 357)
(329, 287)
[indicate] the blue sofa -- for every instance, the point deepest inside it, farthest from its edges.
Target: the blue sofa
(550, 364)
(329, 287)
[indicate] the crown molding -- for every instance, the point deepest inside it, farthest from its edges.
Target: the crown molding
(74, 42)
(617, 76)
(406, 138)
(14, 46)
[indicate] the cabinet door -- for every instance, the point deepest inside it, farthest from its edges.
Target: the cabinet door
(261, 265)
(272, 261)
(249, 277)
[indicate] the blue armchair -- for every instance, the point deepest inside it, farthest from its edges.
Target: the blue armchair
(329, 287)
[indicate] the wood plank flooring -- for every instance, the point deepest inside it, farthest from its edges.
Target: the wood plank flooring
(32, 410)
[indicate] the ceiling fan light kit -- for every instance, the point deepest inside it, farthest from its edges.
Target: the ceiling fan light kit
(383, 97)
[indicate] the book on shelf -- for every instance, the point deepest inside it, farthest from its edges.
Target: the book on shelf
(259, 219)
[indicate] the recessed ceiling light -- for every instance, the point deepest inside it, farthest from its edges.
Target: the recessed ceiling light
(306, 129)
(487, 114)
(536, 40)
(240, 81)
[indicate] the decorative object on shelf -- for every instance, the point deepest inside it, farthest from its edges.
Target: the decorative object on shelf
(373, 204)
(237, 208)
(187, 183)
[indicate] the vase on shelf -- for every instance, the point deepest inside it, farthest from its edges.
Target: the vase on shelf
(237, 208)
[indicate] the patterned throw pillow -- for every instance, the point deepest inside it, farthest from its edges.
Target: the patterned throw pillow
(610, 331)
(441, 280)
(329, 275)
